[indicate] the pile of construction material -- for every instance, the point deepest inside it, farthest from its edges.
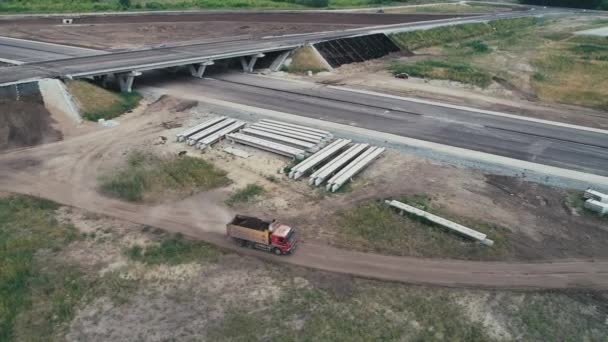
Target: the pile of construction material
(596, 201)
(209, 132)
(282, 138)
(337, 163)
(460, 229)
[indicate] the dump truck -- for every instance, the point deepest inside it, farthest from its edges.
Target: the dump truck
(271, 236)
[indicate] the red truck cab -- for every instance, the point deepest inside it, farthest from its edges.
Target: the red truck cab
(283, 237)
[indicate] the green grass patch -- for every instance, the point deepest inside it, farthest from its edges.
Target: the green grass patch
(304, 60)
(375, 226)
(126, 102)
(445, 70)
(573, 80)
(173, 251)
(149, 177)
(245, 195)
(27, 226)
(557, 317)
(99, 103)
(477, 46)
(591, 51)
(418, 39)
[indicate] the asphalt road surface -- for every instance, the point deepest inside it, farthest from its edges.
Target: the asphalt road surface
(553, 145)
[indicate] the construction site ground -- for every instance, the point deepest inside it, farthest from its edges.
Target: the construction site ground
(128, 32)
(540, 226)
(212, 292)
(549, 281)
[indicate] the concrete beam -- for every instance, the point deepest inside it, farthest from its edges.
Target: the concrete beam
(198, 70)
(249, 65)
(125, 81)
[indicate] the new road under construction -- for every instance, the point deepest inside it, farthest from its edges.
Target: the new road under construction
(504, 190)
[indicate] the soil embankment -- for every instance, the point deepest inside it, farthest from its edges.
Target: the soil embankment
(24, 120)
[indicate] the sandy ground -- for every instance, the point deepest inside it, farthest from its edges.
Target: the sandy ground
(67, 172)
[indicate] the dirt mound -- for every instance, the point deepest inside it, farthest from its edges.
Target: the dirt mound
(25, 122)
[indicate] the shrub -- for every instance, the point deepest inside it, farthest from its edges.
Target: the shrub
(125, 3)
(147, 175)
(444, 70)
(173, 251)
(478, 46)
(247, 194)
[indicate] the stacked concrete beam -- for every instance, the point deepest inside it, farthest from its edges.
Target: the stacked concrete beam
(318, 158)
(279, 138)
(193, 130)
(353, 168)
(288, 133)
(217, 136)
(471, 233)
(597, 206)
(596, 195)
(192, 140)
(319, 176)
(596, 201)
(267, 145)
(301, 128)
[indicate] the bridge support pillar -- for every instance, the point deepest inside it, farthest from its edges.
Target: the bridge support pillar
(280, 60)
(126, 81)
(198, 70)
(248, 66)
(105, 79)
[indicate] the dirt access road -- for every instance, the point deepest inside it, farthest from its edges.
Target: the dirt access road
(67, 172)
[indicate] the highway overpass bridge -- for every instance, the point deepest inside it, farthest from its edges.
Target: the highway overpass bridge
(125, 66)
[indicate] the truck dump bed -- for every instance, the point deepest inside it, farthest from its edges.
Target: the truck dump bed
(250, 229)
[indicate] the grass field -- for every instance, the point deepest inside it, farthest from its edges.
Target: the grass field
(574, 71)
(147, 177)
(57, 281)
(122, 5)
(450, 8)
(541, 58)
(97, 103)
(27, 225)
(375, 226)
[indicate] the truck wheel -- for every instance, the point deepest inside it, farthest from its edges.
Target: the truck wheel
(277, 251)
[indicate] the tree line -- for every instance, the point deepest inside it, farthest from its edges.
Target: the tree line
(588, 4)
